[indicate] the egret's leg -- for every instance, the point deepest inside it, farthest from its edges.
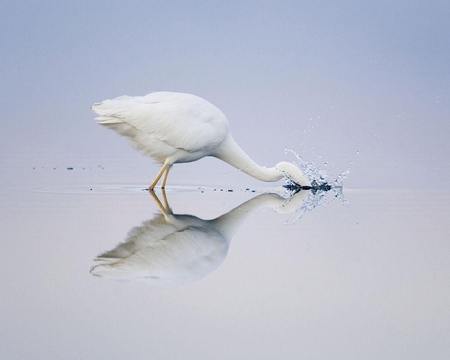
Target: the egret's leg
(158, 176)
(163, 184)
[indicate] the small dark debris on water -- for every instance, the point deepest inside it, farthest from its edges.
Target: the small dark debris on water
(230, 190)
(70, 168)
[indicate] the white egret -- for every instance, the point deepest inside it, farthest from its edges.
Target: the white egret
(177, 128)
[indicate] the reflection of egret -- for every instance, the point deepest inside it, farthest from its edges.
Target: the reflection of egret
(178, 249)
(177, 128)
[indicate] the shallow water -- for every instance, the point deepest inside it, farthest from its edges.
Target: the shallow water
(365, 280)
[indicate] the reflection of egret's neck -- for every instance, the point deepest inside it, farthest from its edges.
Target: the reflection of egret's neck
(230, 222)
(227, 224)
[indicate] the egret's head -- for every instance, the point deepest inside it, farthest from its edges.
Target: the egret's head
(292, 171)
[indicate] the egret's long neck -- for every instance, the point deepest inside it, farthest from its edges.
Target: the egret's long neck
(230, 152)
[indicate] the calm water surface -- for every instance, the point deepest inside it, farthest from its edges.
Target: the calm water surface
(368, 280)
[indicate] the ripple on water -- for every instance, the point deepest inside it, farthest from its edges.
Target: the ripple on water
(135, 189)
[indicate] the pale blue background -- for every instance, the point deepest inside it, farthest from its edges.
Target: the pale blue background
(360, 85)
(328, 79)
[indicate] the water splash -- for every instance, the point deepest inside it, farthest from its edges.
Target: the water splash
(320, 186)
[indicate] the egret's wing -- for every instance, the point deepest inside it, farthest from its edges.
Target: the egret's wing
(181, 120)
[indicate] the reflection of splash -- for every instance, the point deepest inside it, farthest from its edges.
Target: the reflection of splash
(178, 249)
(319, 186)
(315, 199)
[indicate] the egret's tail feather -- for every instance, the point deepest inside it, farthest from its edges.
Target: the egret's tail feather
(108, 120)
(107, 111)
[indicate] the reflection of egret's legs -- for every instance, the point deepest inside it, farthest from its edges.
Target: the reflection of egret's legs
(166, 203)
(164, 210)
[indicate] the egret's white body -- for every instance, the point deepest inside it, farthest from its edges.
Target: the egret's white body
(175, 249)
(176, 128)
